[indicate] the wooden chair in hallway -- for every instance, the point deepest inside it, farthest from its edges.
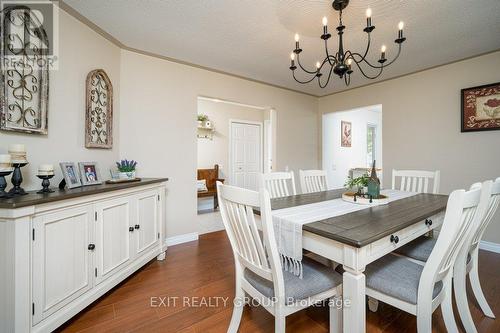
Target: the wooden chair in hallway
(278, 184)
(416, 180)
(313, 181)
(211, 176)
(419, 289)
(258, 266)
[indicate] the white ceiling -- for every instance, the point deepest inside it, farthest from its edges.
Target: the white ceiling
(253, 38)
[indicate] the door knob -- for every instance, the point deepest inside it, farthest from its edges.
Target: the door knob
(131, 229)
(394, 239)
(91, 247)
(428, 222)
(137, 226)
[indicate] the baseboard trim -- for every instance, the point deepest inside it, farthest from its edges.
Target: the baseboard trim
(174, 240)
(489, 246)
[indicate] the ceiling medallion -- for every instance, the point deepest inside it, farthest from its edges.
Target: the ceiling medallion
(341, 63)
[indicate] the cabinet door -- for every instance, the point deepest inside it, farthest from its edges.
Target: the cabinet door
(112, 237)
(147, 221)
(62, 267)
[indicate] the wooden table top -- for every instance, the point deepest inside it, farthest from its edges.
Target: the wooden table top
(32, 198)
(368, 225)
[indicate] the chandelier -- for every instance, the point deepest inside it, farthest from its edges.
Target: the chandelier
(341, 63)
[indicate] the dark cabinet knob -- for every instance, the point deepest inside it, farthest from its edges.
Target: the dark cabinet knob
(131, 229)
(394, 239)
(428, 222)
(137, 226)
(91, 247)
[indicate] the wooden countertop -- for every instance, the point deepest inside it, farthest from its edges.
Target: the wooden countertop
(32, 198)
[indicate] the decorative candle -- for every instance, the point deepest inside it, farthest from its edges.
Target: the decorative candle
(17, 148)
(400, 26)
(296, 41)
(45, 169)
(382, 49)
(369, 17)
(5, 158)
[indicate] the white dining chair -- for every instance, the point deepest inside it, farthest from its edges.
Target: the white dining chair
(420, 289)
(258, 267)
(278, 184)
(313, 181)
(467, 262)
(416, 180)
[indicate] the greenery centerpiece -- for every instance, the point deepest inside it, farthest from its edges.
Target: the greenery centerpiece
(359, 184)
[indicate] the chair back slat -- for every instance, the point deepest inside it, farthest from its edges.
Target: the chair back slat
(252, 249)
(278, 184)
(491, 211)
(415, 180)
(313, 181)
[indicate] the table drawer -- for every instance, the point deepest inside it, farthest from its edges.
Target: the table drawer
(397, 239)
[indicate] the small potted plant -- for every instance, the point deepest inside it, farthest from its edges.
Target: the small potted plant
(360, 184)
(126, 169)
(202, 118)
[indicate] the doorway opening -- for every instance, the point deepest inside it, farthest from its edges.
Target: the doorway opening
(352, 141)
(235, 144)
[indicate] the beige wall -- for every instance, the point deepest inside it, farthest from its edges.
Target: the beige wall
(421, 115)
(81, 50)
(158, 125)
(216, 151)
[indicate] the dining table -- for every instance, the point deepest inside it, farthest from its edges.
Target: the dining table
(357, 238)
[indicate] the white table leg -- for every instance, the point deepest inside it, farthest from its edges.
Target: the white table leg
(354, 311)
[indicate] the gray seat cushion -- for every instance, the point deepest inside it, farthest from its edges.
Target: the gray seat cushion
(397, 277)
(419, 249)
(316, 278)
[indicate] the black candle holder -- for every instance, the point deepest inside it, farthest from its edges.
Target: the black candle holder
(3, 183)
(17, 179)
(45, 184)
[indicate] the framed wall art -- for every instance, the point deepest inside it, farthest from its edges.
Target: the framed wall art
(346, 134)
(89, 173)
(99, 111)
(481, 108)
(24, 79)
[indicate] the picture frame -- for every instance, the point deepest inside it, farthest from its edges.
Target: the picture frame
(90, 173)
(480, 108)
(71, 174)
(345, 134)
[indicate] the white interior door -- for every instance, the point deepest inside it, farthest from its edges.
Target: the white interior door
(246, 154)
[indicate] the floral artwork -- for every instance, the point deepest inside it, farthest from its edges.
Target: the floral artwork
(481, 108)
(346, 134)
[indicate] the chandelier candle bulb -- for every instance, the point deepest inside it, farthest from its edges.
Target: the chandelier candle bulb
(382, 49)
(369, 17)
(400, 32)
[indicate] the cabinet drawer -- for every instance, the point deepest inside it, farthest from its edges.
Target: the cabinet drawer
(386, 245)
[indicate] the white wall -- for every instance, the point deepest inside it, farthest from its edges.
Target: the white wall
(421, 115)
(81, 51)
(338, 160)
(158, 125)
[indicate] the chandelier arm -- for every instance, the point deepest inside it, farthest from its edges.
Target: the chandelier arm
(327, 80)
(302, 67)
(353, 55)
(368, 76)
(303, 82)
(367, 46)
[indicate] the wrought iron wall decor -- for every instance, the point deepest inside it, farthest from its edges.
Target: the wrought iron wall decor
(340, 63)
(99, 111)
(24, 86)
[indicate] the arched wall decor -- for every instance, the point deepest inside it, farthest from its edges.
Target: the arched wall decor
(99, 111)
(24, 84)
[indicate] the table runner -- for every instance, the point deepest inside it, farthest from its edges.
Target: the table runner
(288, 224)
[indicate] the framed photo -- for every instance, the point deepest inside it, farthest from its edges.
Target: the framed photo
(481, 108)
(71, 175)
(346, 134)
(89, 172)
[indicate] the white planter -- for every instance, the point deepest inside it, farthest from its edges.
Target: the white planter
(126, 175)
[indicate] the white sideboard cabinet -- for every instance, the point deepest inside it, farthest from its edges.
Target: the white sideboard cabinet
(62, 251)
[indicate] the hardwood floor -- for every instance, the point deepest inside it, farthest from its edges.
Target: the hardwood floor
(205, 269)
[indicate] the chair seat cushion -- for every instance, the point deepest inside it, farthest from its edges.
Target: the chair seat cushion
(418, 249)
(316, 278)
(397, 277)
